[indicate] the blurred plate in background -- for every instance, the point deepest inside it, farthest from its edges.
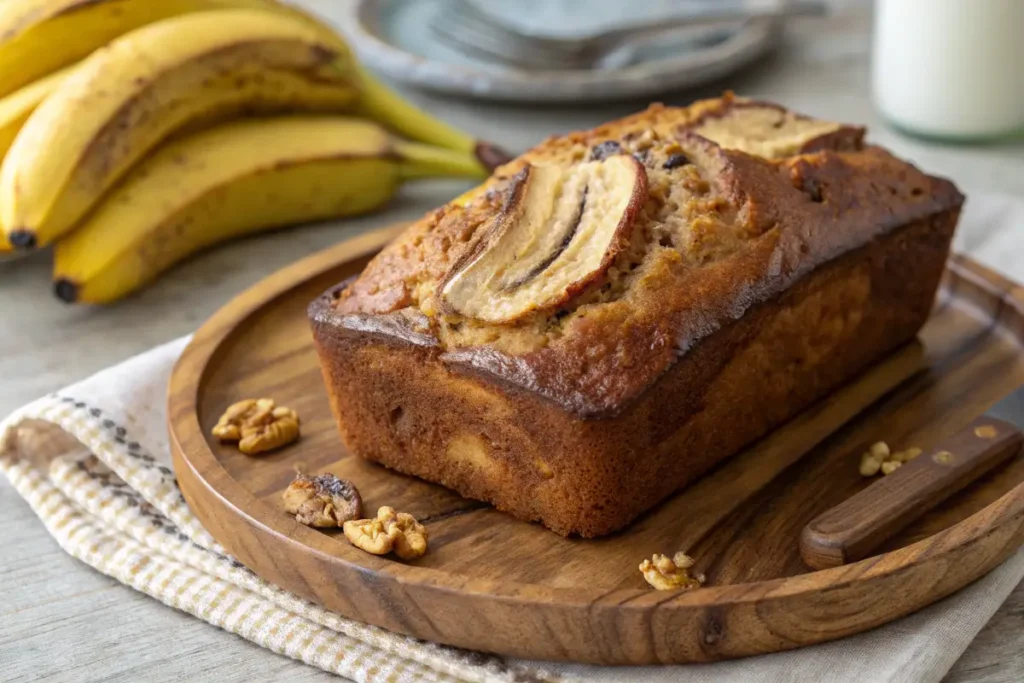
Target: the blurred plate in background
(395, 38)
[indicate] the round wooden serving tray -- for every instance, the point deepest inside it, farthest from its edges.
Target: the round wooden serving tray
(492, 583)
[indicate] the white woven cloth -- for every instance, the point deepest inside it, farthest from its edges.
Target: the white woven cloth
(92, 460)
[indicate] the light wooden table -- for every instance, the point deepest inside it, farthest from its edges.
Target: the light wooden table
(62, 621)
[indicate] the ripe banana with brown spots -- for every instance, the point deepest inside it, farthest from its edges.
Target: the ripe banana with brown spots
(126, 98)
(38, 37)
(15, 110)
(184, 73)
(236, 179)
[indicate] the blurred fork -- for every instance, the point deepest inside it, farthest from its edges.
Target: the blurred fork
(472, 31)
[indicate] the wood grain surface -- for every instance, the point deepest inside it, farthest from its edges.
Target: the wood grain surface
(497, 584)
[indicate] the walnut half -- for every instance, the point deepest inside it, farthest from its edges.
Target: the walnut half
(666, 574)
(258, 425)
(390, 531)
(322, 501)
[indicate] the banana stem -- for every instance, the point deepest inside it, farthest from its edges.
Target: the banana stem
(424, 161)
(388, 107)
(379, 102)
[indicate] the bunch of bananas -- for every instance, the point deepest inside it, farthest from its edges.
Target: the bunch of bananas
(136, 132)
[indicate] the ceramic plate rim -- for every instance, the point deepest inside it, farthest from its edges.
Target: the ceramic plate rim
(637, 80)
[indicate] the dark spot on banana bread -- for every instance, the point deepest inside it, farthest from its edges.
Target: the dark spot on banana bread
(604, 150)
(675, 161)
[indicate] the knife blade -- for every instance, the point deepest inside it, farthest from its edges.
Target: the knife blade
(856, 527)
(1010, 408)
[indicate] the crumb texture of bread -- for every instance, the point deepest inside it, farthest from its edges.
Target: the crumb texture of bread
(762, 259)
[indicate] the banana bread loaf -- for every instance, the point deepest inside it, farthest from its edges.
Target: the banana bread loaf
(617, 310)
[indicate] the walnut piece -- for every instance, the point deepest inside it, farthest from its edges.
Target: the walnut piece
(390, 531)
(869, 466)
(371, 535)
(880, 459)
(258, 425)
(322, 501)
(666, 574)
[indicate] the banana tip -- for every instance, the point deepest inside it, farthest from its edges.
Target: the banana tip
(491, 156)
(22, 239)
(66, 290)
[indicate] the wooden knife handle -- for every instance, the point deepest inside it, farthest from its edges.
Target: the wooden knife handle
(853, 529)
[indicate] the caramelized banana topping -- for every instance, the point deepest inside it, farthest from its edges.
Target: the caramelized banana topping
(557, 235)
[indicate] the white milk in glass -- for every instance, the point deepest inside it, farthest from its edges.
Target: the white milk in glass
(950, 68)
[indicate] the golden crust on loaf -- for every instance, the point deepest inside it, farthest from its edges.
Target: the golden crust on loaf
(743, 198)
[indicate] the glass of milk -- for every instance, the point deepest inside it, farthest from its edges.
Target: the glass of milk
(950, 69)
